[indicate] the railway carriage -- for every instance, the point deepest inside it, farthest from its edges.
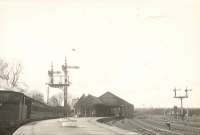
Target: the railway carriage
(16, 109)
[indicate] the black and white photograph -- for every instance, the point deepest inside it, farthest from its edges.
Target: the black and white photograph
(99, 67)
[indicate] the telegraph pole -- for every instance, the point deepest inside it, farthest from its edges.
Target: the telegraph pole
(63, 85)
(181, 98)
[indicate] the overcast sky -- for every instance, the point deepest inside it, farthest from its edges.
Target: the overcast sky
(137, 49)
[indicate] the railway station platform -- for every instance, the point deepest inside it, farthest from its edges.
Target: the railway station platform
(70, 126)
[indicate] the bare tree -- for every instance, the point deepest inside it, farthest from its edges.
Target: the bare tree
(37, 96)
(4, 74)
(14, 75)
(56, 100)
(10, 73)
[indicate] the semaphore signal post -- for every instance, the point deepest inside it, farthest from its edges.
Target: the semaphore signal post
(64, 81)
(181, 97)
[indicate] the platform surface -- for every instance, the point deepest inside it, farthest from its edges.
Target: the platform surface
(70, 126)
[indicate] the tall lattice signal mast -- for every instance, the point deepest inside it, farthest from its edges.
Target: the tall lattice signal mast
(62, 84)
(181, 97)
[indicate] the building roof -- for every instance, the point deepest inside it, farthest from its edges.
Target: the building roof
(92, 100)
(79, 102)
(110, 99)
(88, 101)
(107, 99)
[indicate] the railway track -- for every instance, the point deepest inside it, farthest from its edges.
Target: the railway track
(150, 129)
(151, 126)
(176, 127)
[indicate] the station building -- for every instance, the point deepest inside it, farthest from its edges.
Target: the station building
(106, 105)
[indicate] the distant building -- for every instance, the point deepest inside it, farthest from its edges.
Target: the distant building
(107, 104)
